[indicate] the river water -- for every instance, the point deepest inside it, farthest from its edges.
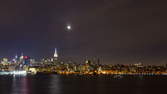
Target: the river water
(56, 84)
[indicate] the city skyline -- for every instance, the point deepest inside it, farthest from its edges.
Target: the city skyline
(83, 46)
(116, 31)
(56, 54)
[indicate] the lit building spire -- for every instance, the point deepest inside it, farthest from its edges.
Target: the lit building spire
(55, 54)
(16, 56)
(22, 56)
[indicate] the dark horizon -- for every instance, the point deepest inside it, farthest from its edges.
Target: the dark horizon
(118, 31)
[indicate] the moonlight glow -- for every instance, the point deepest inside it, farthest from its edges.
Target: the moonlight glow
(68, 27)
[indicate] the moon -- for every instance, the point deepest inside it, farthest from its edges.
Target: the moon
(68, 27)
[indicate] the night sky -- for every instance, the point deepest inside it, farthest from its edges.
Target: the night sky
(116, 31)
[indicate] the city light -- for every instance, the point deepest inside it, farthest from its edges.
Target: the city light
(23, 65)
(13, 73)
(19, 73)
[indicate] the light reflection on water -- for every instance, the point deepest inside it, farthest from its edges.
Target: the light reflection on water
(20, 85)
(45, 84)
(54, 84)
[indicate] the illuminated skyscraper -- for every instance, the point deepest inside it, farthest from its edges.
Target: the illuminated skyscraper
(55, 54)
(16, 56)
(22, 56)
(15, 59)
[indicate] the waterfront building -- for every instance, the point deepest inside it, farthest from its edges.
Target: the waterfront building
(5, 61)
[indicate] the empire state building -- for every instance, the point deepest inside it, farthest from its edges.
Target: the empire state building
(55, 54)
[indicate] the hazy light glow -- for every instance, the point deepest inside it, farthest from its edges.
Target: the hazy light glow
(19, 72)
(68, 27)
(14, 73)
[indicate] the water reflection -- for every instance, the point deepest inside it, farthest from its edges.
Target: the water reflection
(20, 85)
(55, 86)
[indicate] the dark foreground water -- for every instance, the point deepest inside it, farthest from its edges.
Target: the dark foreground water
(54, 84)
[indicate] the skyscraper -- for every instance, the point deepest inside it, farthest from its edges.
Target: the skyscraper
(22, 56)
(16, 56)
(55, 53)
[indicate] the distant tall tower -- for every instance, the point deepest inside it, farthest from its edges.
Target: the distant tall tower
(16, 56)
(55, 54)
(22, 56)
(15, 59)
